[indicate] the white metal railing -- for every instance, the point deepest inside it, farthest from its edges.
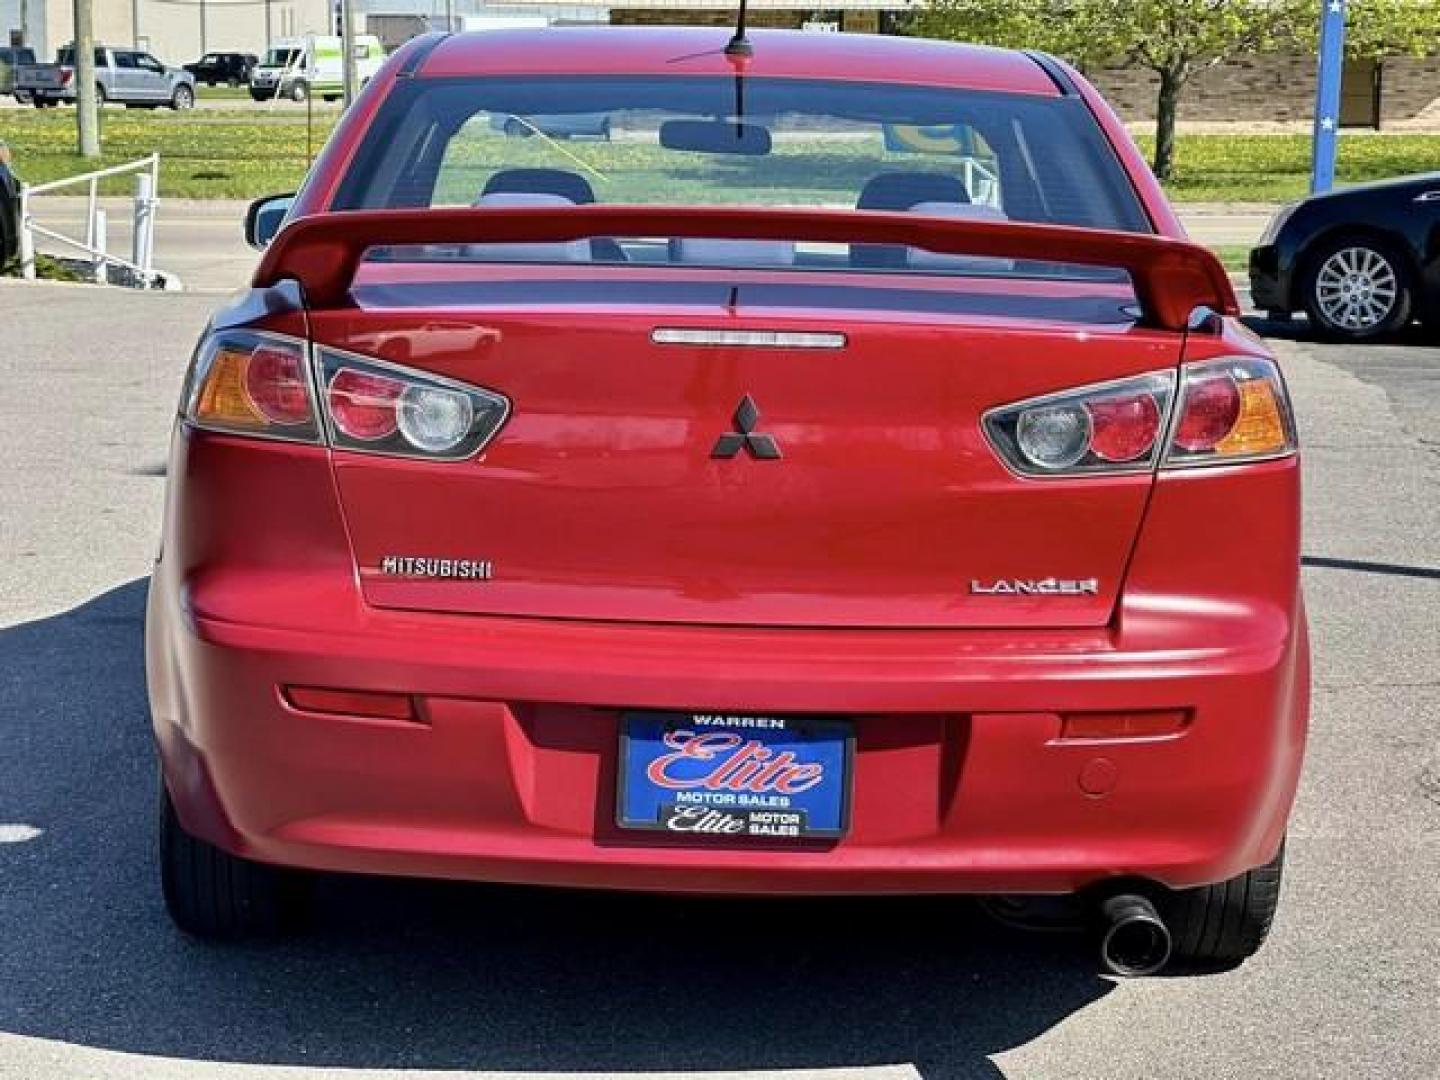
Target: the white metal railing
(981, 181)
(96, 242)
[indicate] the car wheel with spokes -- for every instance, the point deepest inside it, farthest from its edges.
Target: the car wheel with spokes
(1357, 289)
(182, 99)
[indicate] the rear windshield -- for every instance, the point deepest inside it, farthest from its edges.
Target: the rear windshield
(795, 143)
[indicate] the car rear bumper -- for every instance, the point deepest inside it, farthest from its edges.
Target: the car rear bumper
(962, 779)
(1269, 289)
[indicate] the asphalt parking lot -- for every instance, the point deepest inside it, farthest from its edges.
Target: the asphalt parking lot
(400, 976)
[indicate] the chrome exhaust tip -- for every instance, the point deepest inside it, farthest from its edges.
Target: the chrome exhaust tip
(1135, 940)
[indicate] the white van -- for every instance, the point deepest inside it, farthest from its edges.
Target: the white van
(298, 67)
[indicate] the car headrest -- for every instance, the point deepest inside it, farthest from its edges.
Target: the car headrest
(918, 257)
(568, 185)
(702, 252)
(559, 251)
(902, 190)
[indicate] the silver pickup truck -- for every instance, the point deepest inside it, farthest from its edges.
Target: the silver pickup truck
(124, 76)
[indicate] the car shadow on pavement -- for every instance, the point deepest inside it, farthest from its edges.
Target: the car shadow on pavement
(431, 975)
(1299, 329)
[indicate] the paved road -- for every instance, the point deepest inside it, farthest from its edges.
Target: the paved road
(397, 976)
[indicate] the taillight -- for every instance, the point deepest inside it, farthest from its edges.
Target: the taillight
(1110, 427)
(1232, 409)
(253, 384)
(66, 74)
(381, 408)
(362, 406)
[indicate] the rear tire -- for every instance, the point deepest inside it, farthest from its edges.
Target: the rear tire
(299, 90)
(1218, 927)
(183, 99)
(212, 894)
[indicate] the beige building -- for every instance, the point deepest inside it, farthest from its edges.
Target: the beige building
(175, 31)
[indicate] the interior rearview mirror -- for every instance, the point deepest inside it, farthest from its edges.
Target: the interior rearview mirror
(264, 218)
(715, 137)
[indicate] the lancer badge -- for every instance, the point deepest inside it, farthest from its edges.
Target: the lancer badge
(1036, 587)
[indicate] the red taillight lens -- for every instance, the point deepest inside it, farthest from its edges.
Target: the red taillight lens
(277, 385)
(381, 408)
(66, 74)
(255, 382)
(1124, 429)
(1212, 404)
(245, 382)
(1232, 409)
(363, 405)
(1110, 427)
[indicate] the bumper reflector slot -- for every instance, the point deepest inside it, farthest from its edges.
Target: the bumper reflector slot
(1149, 724)
(370, 704)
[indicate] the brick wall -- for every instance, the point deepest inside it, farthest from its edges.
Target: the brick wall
(1265, 89)
(1410, 91)
(1274, 89)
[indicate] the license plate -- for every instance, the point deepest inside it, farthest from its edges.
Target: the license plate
(718, 776)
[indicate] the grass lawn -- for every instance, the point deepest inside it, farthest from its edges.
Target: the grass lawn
(222, 92)
(1235, 258)
(247, 151)
(206, 154)
(1276, 168)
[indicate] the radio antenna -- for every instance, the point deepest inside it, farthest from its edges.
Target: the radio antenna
(739, 45)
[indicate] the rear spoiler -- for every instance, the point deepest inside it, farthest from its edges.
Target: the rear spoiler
(1171, 277)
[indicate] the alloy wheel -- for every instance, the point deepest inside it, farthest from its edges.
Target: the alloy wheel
(1356, 288)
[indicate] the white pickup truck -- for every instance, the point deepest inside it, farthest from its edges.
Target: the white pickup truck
(125, 76)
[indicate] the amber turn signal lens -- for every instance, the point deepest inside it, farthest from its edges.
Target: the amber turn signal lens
(1260, 427)
(223, 397)
(1232, 409)
(248, 382)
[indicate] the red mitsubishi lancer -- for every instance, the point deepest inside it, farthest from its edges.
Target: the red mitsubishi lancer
(673, 460)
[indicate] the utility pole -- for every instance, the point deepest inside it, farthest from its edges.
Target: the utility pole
(203, 20)
(135, 24)
(86, 114)
(449, 16)
(347, 47)
(268, 36)
(1327, 95)
(24, 22)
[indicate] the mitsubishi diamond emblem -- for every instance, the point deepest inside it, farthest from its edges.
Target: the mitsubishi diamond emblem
(763, 447)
